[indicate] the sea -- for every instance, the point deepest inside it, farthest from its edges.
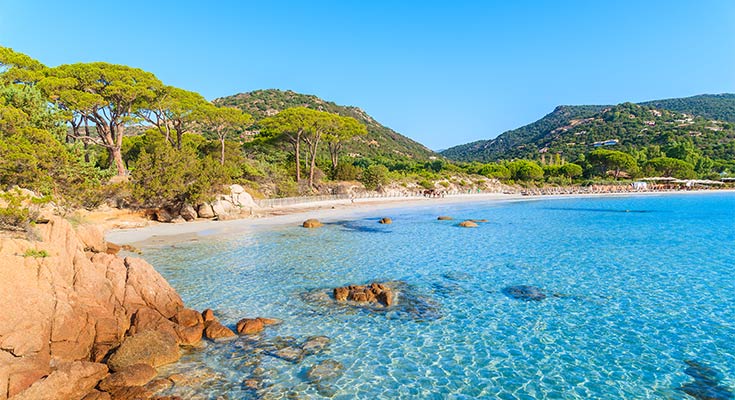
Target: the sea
(628, 297)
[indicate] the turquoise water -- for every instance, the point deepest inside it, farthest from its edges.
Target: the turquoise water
(642, 284)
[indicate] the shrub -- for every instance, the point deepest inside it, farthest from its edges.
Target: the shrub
(36, 253)
(346, 172)
(374, 176)
(18, 210)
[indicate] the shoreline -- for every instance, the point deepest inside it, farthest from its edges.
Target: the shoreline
(158, 234)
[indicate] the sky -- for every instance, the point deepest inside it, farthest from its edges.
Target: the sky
(440, 72)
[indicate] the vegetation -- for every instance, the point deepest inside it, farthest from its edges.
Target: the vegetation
(641, 131)
(35, 253)
(89, 133)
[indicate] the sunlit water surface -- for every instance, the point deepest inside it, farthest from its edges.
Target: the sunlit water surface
(642, 283)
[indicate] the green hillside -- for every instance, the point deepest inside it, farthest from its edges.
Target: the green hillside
(574, 130)
(713, 106)
(381, 141)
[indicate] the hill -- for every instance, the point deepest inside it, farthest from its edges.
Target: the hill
(713, 106)
(381, 141)
(574, 130)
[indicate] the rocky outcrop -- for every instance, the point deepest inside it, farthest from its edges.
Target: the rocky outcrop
(312, 223)
(373, 293)
(74, 307)
(69, 381)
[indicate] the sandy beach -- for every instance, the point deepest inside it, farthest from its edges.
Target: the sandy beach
(157, 234)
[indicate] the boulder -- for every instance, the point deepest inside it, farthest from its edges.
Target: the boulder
(468, 224)
(312, 223)
(205, 211)
(215, 330)
(373, 293)
(224, 209)
(70, 381)
(341, 293)
(150, 347)
(444, 218)
(208, 315)
(385, 221)
(241, 198)
(134, 375)
(164, 215)
(131, 393)
(188, 212)
(113, 248)
(249, 326)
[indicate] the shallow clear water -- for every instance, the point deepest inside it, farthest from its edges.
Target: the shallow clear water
(642, 284)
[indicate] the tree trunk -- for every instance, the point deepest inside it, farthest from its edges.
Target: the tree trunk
(116, 154)
(312, 166)
(334, 149)
(222, 148)
(297, 154)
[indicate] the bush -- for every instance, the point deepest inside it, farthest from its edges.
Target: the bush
(525, 170)
(374, 176)
(36, 253)
(495, 171)
(169, 177)
(18, 210)
(346, 172)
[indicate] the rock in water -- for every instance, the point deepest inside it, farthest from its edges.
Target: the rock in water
(312, 223)
(706, 385)
(249, 326)
(374, 293)
(315, 344)
(444, 218)
(468, 224)
(327, 370)
(524, 292)
(385, 221)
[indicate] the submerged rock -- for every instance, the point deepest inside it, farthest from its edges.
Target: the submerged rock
(315, 344)
(385, 221)
(706, 385)
(524, 292)
(326, 370)
(444, 218)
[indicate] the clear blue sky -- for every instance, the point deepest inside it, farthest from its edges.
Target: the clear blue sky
(443, 73)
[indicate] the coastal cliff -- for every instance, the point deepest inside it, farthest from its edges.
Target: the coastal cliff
(68, 306)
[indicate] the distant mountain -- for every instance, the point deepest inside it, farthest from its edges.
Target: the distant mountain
(706, 120)
(381, 141)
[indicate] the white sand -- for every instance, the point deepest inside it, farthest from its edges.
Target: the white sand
(326, 211)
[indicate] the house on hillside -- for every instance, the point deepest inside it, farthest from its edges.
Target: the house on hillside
(609, 142)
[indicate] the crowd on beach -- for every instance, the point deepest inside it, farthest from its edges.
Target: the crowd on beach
(611, 189)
